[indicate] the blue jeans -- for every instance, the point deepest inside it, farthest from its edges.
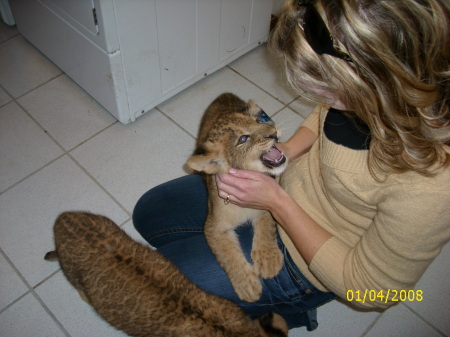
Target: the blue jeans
(171, 217)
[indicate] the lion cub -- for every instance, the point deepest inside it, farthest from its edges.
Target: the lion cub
(139, 291)
(239, 135)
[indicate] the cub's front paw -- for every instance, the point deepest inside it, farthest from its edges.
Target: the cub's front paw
(248, 289)
(268, 263)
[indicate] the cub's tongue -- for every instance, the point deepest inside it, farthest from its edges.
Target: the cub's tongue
(274, 157)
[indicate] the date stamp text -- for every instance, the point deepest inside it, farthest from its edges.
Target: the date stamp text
(385, 296)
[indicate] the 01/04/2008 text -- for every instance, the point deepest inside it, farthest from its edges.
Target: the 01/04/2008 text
(384, 295)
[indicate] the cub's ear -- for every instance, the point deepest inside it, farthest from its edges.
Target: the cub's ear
(253, 108)
(204, 161)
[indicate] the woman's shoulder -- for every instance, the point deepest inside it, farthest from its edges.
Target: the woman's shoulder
(416, 197)
(414, 180)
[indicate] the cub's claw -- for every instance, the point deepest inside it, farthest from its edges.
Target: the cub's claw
(268, 263)
(249, 290)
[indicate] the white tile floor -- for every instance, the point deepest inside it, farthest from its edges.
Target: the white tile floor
(60, 150)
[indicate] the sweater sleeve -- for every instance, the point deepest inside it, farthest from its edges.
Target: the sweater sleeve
(407, 233)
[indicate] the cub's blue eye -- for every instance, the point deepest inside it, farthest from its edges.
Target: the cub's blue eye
(243, 139)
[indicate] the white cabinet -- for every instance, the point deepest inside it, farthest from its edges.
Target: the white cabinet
(131, 55)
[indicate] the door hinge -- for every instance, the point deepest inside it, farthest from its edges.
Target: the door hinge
(94, 14)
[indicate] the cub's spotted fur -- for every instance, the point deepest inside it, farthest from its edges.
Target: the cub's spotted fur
(239, 135)
(139, 291)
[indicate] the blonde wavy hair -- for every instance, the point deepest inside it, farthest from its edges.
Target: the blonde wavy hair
(397, 82)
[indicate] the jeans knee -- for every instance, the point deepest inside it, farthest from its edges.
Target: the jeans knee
(181, 202)
(143, 209)
(138, 216)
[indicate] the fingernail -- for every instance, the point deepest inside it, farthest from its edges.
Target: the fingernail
(232, 170)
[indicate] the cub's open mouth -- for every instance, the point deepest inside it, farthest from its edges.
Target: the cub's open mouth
(273, 158)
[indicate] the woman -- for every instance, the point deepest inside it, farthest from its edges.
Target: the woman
(363, 207)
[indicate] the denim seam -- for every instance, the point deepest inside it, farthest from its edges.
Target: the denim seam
(297, 277)
(172, 231)
(293, 301)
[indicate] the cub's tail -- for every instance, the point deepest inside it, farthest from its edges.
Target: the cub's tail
(52, 256)
(274, 325)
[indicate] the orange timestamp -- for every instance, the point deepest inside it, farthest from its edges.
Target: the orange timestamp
(385, 296)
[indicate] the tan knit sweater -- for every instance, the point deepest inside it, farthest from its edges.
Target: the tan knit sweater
(384, 235)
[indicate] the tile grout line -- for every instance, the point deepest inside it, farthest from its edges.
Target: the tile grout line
(68, 153)
(31, 174)
(371, 325)
(99, 185)
(11, 98)
(124, 222)
(423, 319)
(47, 278)
(35, 121)
(11, 264)
(47, 132)
(39, 86)
(285, 105)
(93, 136)
(10, 38)
(369, 328)
(65, 151)
(29, 91)
(256, 85)
(31, 290)
(175, 122)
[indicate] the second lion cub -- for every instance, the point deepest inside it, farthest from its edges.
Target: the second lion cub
(235, 134)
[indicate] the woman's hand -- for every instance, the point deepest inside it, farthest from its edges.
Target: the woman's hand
(248, 189)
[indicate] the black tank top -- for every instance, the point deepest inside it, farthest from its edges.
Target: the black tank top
(346, 131)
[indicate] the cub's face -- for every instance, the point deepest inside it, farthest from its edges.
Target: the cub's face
(240, 138)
